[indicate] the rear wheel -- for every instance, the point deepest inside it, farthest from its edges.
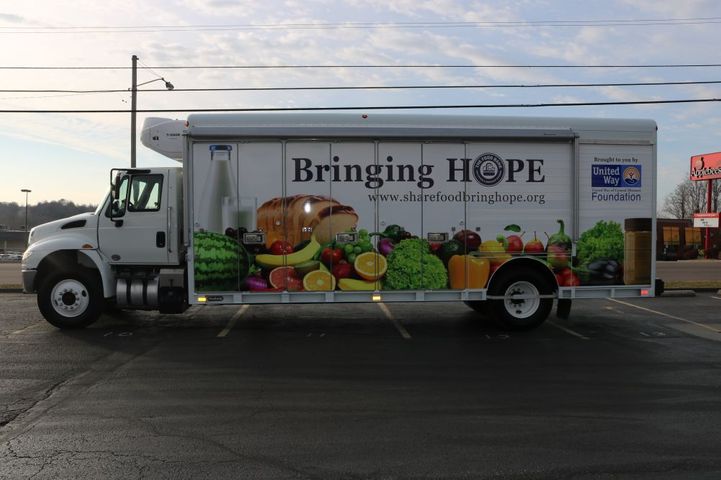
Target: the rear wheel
(71, 299)
(521, 307)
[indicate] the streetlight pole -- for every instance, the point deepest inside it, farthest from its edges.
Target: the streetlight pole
(134, 105)
(26, 192)
(133, 110)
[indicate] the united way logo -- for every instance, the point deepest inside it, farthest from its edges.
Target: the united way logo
(488, 169)
(632, 176)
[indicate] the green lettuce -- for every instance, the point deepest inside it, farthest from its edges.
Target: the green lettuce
(412, 266)
(602, 242)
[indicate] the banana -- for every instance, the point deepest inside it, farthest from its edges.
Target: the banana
(303, 255)
(353, 284)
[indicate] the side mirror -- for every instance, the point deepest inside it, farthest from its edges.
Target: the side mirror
(115, 186)
(118, 193)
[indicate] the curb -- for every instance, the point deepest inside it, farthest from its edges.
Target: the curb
(11, 289)
(679, 293)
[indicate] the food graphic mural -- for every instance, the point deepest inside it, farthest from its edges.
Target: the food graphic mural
(301, 253)
(356, 216)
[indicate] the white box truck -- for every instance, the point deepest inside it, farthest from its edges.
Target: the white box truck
(506, 214)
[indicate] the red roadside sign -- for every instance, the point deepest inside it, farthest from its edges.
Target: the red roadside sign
(706, 166)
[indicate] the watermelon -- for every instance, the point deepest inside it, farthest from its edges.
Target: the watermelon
(221, 263)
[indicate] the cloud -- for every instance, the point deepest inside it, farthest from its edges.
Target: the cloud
(10, 18)
(687, 8)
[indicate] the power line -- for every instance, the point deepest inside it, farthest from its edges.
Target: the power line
(357, 66)
(378, 87)
(394, 107)
(363, 25)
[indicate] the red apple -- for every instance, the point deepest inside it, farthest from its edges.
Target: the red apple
(558, 256)
(515, 243)
(342, 270)
(534, 246)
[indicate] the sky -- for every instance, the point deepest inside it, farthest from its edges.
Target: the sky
(69, 155)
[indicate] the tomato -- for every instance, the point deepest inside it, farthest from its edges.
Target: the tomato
(281, 247)
(567, 278)
(573, 280)
(331, 256)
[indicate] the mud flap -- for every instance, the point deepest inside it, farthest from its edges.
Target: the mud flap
(563, 309)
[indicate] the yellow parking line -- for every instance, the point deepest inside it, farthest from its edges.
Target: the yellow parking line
(401, 329)
(233, 320)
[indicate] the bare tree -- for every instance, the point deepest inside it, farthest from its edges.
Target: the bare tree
(689, 197)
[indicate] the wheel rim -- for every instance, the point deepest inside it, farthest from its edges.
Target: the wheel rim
(70, 298)
(522, 299)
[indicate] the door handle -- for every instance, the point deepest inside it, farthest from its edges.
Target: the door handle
(160, 239)
(118, 223)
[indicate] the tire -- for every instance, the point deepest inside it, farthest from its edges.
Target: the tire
(521, 314)
(71, 299)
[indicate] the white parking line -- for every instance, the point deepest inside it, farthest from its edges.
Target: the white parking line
(29, 327)
(567, 330)
(717, 298)
(401, 329)
(233, 320)
(665, 315)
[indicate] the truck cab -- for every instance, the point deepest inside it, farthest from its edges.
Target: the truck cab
(117, 255)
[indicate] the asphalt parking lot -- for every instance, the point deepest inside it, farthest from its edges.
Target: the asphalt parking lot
(624, 389)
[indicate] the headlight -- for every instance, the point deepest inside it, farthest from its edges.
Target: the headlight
(26, 256)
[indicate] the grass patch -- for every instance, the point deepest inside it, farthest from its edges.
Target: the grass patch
(691, 284)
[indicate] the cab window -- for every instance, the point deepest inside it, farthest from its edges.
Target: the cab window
(145, 193)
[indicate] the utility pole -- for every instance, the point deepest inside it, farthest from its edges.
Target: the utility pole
(133, 108)
(134, 105)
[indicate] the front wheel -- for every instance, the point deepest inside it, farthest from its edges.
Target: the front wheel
(522, 306)
(70, 300)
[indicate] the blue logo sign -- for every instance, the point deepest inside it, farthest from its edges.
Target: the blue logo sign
(616, 176)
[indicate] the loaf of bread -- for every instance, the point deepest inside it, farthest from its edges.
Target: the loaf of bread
(295, 218)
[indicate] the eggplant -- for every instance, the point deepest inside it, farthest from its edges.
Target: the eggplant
(597, 266)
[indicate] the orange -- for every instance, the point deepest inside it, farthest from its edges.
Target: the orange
(318, 280)
(370, 266)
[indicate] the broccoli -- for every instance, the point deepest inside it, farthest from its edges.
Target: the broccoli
(412, 266)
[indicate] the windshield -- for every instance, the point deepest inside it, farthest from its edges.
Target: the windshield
(102, 205)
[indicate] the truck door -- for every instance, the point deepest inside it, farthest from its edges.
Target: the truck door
(134, 227)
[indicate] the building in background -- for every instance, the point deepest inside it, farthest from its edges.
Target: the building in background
(677, 239)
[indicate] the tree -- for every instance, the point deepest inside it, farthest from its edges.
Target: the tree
(689, 197)
(13, 214)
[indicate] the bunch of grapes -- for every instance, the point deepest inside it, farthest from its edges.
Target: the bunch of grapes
(364, 244)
